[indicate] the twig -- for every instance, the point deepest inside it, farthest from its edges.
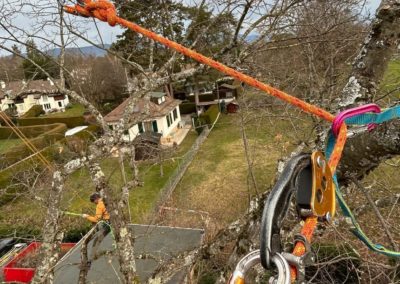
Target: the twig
(378, 214)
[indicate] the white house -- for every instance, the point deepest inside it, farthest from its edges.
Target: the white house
(20, 96)
(163, 116)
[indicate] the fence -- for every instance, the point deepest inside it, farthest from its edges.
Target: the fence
(183, 165)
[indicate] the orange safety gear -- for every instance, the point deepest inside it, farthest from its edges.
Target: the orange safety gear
(101, 213)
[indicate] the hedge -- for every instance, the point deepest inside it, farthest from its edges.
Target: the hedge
(210, 115)
(28, 131)
(21, 151)
(202, 98)
(187, 108)
(34, 111)
(52, 153)
(8, 176)
(71, 122)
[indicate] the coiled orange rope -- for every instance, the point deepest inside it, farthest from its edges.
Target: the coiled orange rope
(105, 11)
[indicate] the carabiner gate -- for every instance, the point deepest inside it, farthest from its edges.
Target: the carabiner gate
(252, 259)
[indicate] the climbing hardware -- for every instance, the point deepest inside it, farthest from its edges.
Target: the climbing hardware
(316, 173)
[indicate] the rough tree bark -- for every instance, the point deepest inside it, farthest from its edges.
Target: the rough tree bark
(123, 237)
(53, 237)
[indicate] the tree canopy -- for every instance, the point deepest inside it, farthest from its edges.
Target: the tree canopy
(33, 58)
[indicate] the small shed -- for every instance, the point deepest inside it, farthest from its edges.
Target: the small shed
(232, 107)
(226, 91)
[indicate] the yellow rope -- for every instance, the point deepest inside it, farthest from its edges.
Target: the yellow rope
(25, 140)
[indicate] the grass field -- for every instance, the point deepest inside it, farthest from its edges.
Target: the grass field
(390, 84)
(6, 144)
(218, 180)
(25, 215)
(75, 110)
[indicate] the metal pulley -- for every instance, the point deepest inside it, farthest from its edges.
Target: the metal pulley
(309, 177)
(315, 189)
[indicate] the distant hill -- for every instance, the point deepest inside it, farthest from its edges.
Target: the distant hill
(252, 37)
(85, 51)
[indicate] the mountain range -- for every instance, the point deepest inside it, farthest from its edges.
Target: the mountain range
(84, 51)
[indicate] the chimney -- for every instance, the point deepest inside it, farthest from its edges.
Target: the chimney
(3, 84)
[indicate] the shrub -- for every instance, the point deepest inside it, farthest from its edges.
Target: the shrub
(199, 126)
(34, 111)
(81, 140)
(343, 271)
(89, 133)
(28, 131)
(202, 98)
(7, 175)
(71, 122)
(21, 151)
(210, 115)
(52, 153)
(187, 108)
(74, 235)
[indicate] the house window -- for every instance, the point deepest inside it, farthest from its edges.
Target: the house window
(46, 106)
(169, 120)
(11, 106)
(60, 104)
(175, 114)
(45, 98)
(140, 126)
(154, 126)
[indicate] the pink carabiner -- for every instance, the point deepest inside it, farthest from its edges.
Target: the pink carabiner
(341, 117)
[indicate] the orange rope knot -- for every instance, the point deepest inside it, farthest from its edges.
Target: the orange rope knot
(101, 9)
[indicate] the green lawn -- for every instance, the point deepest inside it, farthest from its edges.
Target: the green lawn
(391, 82)
(25, 213)
(6, 144)
(75, 110)
(218, 182)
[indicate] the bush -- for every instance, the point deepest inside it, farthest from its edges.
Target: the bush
(52, 153)
(198, 126)
(21, 151)
(210, 115)
(202, 98)
(19, 231)
(8, 175)
(187, 108)
(89, 133)
(74, 235)
(71, 122)
(34, 111)
(343, 271)
(81, 140)
(28, 131)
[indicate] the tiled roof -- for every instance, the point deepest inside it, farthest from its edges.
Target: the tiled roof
(155, 110)
(21, 88)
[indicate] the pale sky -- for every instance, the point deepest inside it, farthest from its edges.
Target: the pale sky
(108, 34)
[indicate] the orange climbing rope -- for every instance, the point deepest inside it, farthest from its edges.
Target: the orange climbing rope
(105, 11)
